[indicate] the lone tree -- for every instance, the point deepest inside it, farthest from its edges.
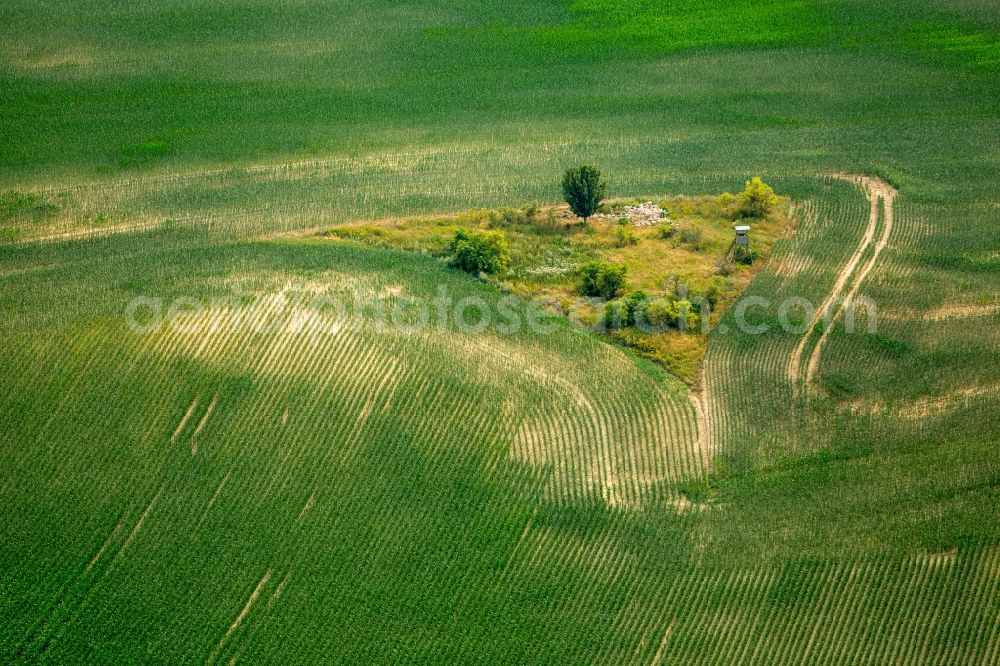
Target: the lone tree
(583, 189)
(757, 199)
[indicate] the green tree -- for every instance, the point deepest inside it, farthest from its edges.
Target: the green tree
(757, 198)
(583, 189)
(480, 251)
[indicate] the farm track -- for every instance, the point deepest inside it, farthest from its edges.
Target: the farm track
(755, 381)
(835, 303)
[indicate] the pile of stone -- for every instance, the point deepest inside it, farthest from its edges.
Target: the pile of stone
(645, 215)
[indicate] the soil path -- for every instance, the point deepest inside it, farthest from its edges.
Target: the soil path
(849, 278)
(699, 400)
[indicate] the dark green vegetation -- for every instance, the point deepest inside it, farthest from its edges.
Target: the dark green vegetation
(487, 498)
(602, 278)
(583, 189)
(479, 251)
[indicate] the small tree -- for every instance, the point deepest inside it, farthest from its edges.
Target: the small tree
(602, 279)
(583, 189)
(757, 198)
(480, 252)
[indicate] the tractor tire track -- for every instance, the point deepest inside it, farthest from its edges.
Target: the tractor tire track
(878, 190)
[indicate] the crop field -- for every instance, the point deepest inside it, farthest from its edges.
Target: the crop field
(277, 457)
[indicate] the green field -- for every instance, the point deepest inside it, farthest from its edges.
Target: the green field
(376, 494)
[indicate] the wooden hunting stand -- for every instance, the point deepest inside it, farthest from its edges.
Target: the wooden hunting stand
(742, 240)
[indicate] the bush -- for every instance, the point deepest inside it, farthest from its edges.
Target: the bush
(601, 278)
(627, 311)
(625, 236)
(716, 289)
(665, 230)
(691, 235)
(470, 218)
(635, 307)
(757, 198)
(744, 255)
(724, 267)
(660, 314)
(613, 314)
(506, 217)
(583, 188)
(480, 252)
(671, 313)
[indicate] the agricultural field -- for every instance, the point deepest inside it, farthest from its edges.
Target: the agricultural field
(237, 427)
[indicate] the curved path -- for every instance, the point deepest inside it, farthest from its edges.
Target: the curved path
(849, 278)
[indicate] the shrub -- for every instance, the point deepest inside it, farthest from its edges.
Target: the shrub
(757, 198)
(506, 217)
(583, 188)
(601, 278)
(480, 252)
(724, 267)
(744, 255)
(691, 235)
(635, 306)
(627, 311)
(665, 229)
(671, 313)
(716, 289)
(613, 314)
(625, 236)
(469, 218)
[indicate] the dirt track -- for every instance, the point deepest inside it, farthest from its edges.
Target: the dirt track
(699, 400)
(849, 278)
